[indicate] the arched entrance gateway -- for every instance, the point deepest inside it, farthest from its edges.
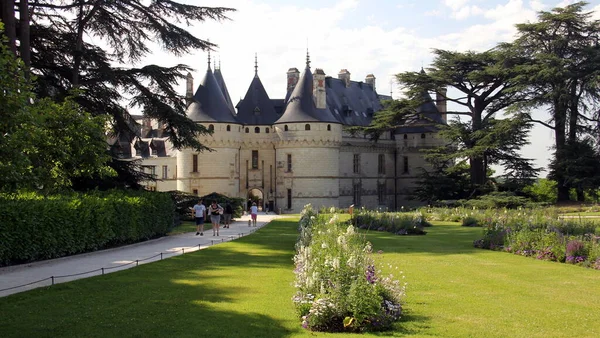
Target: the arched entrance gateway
(255, 195)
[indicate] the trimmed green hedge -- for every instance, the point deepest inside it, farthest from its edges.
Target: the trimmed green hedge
(34, 227)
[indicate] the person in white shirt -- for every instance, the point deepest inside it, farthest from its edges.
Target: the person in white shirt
(199, 211)
(253, 213)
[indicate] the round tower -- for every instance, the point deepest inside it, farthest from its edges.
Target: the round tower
(216, 169)
(307, 134)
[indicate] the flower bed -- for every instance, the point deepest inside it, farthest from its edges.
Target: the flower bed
(339, 288)
(543, 235)
(399, 223)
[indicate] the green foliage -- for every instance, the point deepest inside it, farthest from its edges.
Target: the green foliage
(543, 190)
(34, 227)
(497, 200)
(561, 72)
(44, 145)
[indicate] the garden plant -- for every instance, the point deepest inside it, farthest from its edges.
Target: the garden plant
(339, 287)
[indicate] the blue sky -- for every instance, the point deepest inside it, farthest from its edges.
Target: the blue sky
(363, 36)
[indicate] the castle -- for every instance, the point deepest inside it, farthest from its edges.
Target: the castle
(288, 152)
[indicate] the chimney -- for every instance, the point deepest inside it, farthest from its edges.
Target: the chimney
(344, 74)
(370, 80)
(440, 103)
(319, 93)
(189, 88)
(293, 75)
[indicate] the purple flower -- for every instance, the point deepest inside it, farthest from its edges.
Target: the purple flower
(370, 274)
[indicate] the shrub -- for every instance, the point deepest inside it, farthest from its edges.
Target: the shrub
(34, 227)
(338, 286)
(400, 223)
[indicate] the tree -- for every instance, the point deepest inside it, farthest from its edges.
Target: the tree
(562, 73)
(66, 63)
(486, 87)
(44, 145)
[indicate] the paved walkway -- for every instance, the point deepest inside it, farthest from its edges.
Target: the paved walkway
(65, 269)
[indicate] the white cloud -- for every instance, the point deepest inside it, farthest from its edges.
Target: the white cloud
(596, 14)
(466, 12)
(455, 4)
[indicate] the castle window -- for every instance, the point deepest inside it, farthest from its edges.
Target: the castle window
(247, 130)
(289, 162)
(405, 136)
(285, 128)
(405, 165)
(195, 192)
(356, 163)
(307, 127)
(267, 130)
(289, 198)
(329, 127)
(381, 164)
(165, 171)
(228, 128)
(254, 159)
(154, 151)
(257, 130)
(422, 135)
(211, 127)
(195, 163)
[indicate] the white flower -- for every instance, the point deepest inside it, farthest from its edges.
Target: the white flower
(324, 245)
(332, 210)
(350, 229)
(336, 263)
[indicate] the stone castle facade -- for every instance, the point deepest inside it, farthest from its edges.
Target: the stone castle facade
(293, 151)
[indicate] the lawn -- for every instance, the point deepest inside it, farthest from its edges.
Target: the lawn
(244, 288)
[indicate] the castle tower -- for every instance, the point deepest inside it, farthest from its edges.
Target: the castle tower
(211, 171)
(307, 134)
(257, 174)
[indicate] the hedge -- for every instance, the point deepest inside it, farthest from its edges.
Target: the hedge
(34, 227)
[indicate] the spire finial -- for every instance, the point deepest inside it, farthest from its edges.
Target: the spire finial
(215, 63)
(255, 64)
(307, 59)
(219, 62)
(209, 59)
(208, 54)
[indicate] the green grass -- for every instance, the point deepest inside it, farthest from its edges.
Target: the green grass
(187, 226)
(596, 213)
(244, 288)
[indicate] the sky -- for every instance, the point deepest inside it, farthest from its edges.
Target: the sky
(364, 36)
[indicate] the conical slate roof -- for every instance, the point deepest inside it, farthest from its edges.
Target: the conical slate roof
(301, 106)
(221, 83)
(209, 104)
(256, 107)
(429, 110)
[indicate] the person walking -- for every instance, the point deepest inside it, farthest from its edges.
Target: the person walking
(199, 212)
(253, 213)
(227, 214)
(215, 211)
